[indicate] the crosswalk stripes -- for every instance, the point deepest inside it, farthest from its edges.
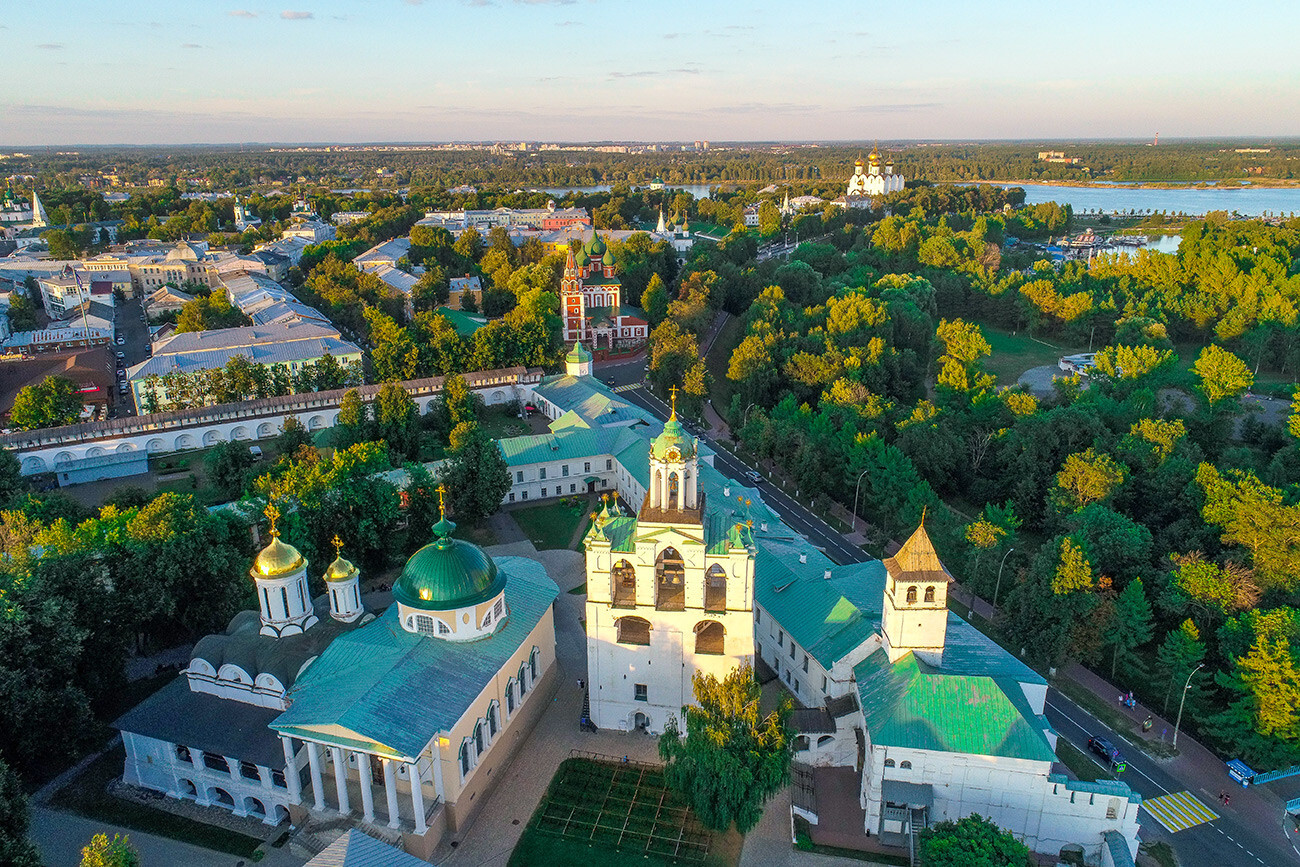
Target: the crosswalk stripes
(1179, 811)
(631, 386)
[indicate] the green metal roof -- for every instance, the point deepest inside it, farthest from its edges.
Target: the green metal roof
(911, 704)
(386, 690)
(673, 435)
(464, 323)
(448, 573)
(577, 354)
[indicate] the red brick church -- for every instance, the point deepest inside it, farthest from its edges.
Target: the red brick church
(591, 297)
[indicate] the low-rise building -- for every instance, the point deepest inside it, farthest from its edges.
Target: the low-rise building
(312, 231)
(461, 289)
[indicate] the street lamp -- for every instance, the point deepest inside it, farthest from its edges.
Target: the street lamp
(998, 586)
(854, 526)
(1186, 687)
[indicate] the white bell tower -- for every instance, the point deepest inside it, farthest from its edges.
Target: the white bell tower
(915, 615)
(674, 477)
(343, 583)
(280, 573)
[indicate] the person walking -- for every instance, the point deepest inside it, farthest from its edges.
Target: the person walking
(1147, 723)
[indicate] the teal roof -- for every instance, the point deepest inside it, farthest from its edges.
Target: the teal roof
(464, 323)
(814, 611)
(383, 689)
(1120, 855)
(1099, 787)
(448, 573)
(911, 704)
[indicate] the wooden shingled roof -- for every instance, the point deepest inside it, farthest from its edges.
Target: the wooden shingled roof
(917, 560)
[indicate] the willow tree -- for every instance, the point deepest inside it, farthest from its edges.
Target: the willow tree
(733, 758)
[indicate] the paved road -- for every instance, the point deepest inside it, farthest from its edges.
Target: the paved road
(130, 327)
(1232, 839)
(791, 511)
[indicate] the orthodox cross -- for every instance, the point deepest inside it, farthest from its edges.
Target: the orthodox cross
(273, 513)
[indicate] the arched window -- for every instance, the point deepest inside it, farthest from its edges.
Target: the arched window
(709, 637)
(532, 665)
(480, 742)
(889, 763)
(464, 758)
(800, 743)
(905, 766)
(523, 680)
(715, 589)
(911, 595)
(825, 740)
(510, 696)
(623, 587)
(929, 594)
(674, 492)
(492, 720)
(633, 630)
(670, 586)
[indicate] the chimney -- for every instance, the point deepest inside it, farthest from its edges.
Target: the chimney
(827, 575)
(803, 556)
(726, 490)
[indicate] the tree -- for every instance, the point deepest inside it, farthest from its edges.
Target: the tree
(353, 425)
(103, 852)
(732, 759)
(1222, 374)
(1262, 722)
(1073, 571)
(461, 404)
(397, 420)
(654, 301)
(972, 841)
(52, 402)
(1087, 477)
(11, 477)
(1178, 656)
(228, 465)
(1131, 625)
(769, 219)
(392, 351)
(293, 436)
(476, 475)
(15, 849)
(1256, 517)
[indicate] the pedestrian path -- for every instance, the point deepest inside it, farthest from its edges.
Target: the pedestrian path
(631, 386)
(1179, 811)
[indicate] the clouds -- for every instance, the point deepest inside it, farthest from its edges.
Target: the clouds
(651, 73)
(241, 13)
(50, 46)
(294, 15)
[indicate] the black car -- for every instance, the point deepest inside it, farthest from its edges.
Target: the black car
(1107, 751)
(609, 380)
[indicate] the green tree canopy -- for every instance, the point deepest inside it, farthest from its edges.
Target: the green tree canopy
(103, 852)
(15, 849)
(732, 758)
(1222, 374)
(476, 475)
(972, 841)
(52, 402)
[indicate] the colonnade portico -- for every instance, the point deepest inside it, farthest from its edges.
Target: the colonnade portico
(338, 757)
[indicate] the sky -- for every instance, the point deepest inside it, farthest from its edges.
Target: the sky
(191, 71)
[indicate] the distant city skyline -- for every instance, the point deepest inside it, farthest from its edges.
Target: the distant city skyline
(155, 72)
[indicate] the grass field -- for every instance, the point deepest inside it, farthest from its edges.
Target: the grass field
(1013, 354)
(551, 526)
(616, 814)
(719, 358)
(1079, 764)
(87, 796)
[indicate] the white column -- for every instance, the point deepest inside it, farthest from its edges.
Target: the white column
(417, 796)
(436, 761)
(317, 787)
(291, 776)
(367, 796)
(390, 789)
(341, 779)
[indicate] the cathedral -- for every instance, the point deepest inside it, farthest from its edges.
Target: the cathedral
(871, 183)
(591, 301)
(321, 707)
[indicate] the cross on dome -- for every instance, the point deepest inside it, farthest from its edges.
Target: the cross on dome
(272, 512)
(672, 393)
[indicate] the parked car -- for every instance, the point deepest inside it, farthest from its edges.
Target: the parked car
(121, 356)
(121, 341)
(121, 374)
(754, 476)
(1107, 751)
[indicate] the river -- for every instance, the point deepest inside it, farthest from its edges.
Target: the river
(1247, 201)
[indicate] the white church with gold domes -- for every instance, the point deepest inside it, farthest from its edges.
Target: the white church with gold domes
(317, 706)
(871, 182)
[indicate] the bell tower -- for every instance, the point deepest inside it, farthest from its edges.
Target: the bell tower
(915, 614)
(674, 477)
(280, 573)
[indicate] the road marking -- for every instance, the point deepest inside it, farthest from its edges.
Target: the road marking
(1076, 724)
(631, 386)
(1179, 811)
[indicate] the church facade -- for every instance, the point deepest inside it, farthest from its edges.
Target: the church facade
(871, 182)
(321, 707)
(591, 301)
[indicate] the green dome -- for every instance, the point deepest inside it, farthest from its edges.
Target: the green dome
(582, 258)
(449, 573)
(673, 436)
(608, 259)
(595, 247)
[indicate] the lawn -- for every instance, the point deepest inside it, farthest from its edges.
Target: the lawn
(616, 813)
(1079, 763)
(1013, 354)
(719, 359)
(552, 526)
(87, 796)
(502, 424)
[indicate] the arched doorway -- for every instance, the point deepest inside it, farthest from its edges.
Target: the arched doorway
(710, 637)
(188, 790)
(670, 583)
(640, 722)
(255, 808)
(218, 795)
(633, 630)
(715, 589)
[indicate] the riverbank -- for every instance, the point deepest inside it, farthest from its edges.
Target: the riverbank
(1226, 184)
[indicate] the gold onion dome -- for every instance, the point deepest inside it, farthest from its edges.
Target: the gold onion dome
(341, 569)
(277, 558)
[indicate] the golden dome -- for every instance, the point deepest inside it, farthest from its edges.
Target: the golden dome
(340, 570)
(277, 558)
